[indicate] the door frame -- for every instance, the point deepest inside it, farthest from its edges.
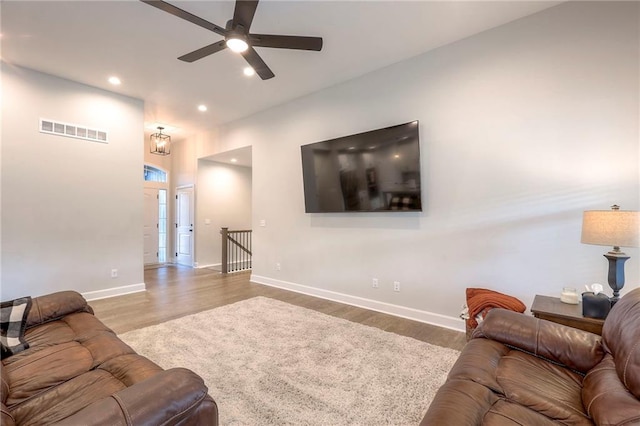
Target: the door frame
(156, 190)
(151, 184)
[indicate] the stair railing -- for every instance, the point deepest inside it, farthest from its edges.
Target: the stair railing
(236, 250)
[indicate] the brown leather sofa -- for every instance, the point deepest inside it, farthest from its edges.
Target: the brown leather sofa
(520, 370)
(77, 372)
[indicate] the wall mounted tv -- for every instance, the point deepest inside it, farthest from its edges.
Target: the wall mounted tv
(374, 171)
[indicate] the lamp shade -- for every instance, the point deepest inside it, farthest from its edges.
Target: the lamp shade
(617, 228)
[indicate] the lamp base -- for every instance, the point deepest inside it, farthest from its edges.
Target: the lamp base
(616, 273)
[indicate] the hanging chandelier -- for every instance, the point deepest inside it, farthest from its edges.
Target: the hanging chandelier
(160, 144)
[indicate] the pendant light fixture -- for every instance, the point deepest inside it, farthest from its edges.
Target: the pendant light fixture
(160, 144)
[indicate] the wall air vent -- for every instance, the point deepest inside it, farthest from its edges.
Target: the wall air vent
(77, 131)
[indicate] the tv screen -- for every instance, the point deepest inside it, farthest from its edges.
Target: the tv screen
(372, 171)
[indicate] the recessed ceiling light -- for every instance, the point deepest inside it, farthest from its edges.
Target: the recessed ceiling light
(248, 71)
(234, 160)
(114, 80)
(202, 108)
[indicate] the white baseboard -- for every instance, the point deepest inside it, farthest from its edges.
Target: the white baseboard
(453, 323)
(114, 291)
(211, 265)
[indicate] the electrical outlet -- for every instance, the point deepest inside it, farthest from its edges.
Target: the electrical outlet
(114, 273)
(396, 286)
(374, 283)
(263, 222)
(278, 266)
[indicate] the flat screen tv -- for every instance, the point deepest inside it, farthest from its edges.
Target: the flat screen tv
(375, 171)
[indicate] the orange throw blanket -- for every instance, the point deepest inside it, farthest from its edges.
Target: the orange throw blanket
(481, 300)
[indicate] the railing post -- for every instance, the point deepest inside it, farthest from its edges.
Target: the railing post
(224, 232)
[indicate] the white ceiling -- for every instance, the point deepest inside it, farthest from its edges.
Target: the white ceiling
(87, 41)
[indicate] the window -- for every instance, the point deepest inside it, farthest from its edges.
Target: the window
(153, 174)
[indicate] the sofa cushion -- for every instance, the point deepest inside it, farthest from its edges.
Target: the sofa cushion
(44, 369)
(13, 316)
(505, 413)
(621, 336)
(478, 363)
(543, 387)
(56, 403)
(492, 383)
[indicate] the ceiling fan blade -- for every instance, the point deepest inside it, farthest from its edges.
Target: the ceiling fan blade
(205, 51)
(243, 13)
(286, 42)
(176, 11)
(257, 63)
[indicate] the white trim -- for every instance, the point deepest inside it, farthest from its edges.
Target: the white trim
(452, 323)
(210, 265)
(114, 291)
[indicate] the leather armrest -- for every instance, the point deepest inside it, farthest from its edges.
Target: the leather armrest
(167, 398)
(571, 347)
(606, 398)
(56, 305)
(6, 419)
(4, 385)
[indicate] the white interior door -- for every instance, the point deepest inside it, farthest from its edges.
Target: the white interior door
(184, 226)
(150, 225)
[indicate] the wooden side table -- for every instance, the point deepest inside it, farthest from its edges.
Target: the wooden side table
(552, 309)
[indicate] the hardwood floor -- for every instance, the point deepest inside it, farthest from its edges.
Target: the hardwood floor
(176, 291)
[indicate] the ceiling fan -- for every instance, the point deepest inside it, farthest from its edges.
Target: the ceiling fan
(237, 37)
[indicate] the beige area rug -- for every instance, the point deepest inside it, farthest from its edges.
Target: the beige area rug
(267, 362)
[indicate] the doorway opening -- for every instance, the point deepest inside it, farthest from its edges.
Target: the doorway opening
(155, 215)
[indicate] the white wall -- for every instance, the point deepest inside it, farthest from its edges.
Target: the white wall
(183, 163)
(224, 200)
(522, 128)
(72, 209)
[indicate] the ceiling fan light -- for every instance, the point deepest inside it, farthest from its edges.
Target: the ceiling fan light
(237, 45)
(248, 71)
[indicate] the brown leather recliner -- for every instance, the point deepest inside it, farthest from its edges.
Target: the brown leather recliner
(77, 372)
(520, 370)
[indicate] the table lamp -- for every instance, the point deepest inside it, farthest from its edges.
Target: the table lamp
(615, 228)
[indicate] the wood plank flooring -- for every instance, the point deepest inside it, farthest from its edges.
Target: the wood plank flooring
(175, 291)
